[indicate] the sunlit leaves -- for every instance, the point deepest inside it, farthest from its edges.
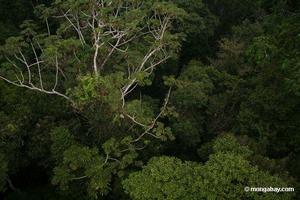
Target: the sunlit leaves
(229, 144)
(224, 175)
(164, 178)
(101, 89)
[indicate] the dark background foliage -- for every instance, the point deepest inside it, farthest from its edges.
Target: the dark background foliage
(237, 73)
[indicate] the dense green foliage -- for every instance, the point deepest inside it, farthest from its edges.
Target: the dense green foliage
(223, 176)
(149, 99)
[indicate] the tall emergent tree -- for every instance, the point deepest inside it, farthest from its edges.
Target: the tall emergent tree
(96, 54)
